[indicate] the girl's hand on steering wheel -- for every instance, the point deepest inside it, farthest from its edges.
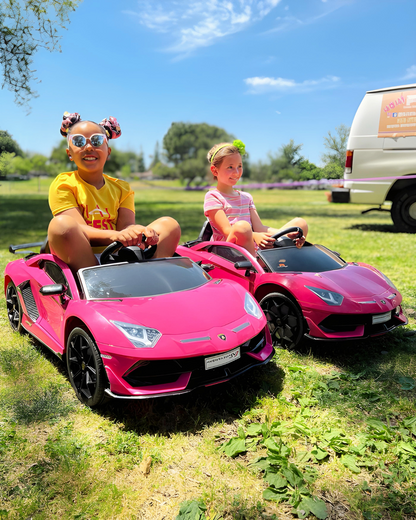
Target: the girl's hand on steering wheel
(152, 238)
(263, 240)
(299, 241)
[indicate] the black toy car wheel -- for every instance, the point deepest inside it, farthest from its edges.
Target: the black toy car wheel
(284, 318)
(403, 211)
(85, 368)
(14, 309)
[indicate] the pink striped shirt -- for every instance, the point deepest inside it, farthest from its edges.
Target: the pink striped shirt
(236, 207)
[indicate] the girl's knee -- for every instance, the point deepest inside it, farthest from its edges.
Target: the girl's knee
(300, 222)
(242, 228)
(168, 226)
(62, 225)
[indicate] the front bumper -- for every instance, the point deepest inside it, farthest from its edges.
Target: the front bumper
(337, 327)
(163, 377)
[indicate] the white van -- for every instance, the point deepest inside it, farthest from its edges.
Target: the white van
(382, 148)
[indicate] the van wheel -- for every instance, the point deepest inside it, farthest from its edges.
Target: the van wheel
(403, 211)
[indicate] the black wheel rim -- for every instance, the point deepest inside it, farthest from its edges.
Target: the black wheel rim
(283, 321)
(13, 307)
(82, 367)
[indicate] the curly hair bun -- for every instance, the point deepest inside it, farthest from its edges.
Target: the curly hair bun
(69, 120)
(111, 127)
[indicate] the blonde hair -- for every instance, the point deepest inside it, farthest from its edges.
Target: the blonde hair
(224, 150)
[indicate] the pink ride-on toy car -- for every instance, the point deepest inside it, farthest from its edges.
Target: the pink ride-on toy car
(132, 328)
(308, 292)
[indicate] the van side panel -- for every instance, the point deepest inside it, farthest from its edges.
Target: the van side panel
(376, 157)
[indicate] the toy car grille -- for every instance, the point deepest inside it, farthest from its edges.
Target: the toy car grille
(149, 373)
(29, 300)
(349, 322)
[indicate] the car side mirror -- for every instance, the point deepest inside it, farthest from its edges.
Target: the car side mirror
(245, 264)
(53, 289)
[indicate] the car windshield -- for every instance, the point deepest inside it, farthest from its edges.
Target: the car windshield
(309, 259)
(143, 279)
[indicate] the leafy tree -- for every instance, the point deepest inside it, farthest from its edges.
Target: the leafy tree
(39, 163)
(8, 144)
(155, 157)
(58, 154)
(26, 26)
(22, 165)
(336, 144)
(310, 171)
(186, 146)
(162, 171)
(290, 152)
(6, 163)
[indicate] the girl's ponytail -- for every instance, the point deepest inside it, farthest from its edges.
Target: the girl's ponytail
(111, 127)
(68, 121)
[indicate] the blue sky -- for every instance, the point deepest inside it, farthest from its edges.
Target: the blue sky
(266, 71)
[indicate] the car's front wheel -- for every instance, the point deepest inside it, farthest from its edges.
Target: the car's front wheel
(14, 309)
(85, 368)
(403, 211)
(284, 318)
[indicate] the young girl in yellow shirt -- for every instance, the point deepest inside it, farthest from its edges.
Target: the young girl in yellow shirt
(91, 209)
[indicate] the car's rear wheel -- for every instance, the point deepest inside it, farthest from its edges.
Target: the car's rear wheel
(284, 318)
(85, 368)
(14, 309)
(403, 211)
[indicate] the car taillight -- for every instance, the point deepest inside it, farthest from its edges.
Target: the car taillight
(348, 161)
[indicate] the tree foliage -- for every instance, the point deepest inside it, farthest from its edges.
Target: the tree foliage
(186, 146)
(26, 26)
(8, 144)
(336, 144)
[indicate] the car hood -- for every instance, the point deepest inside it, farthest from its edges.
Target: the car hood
(218, 303)
(353, 281)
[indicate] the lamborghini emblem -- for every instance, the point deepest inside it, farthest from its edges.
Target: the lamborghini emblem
(222, 336)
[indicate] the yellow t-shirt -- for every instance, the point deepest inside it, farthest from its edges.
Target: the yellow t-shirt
(99, 207)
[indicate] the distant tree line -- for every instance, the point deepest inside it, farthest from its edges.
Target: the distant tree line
(183, 157)
(185, 147)
(13, 161)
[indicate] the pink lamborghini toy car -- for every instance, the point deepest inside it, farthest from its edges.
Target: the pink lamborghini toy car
(132, 328)
(308, 292)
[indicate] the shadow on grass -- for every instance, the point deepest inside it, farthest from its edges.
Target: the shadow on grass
(377, 228)
(23, 219)
(190, 412)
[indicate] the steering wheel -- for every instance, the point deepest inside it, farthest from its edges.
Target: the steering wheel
(116, 252)
(285, 232)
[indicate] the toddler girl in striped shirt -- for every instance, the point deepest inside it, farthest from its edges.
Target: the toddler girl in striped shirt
(232, 213)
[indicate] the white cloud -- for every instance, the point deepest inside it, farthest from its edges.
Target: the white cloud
(261, 85)
(410, 72)
(199, 23)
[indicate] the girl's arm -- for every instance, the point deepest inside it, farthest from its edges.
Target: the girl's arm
(257, 224)
(220, 220)
(129, 236)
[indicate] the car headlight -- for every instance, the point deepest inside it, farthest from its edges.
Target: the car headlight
(329, 297)
(389, 281)
(141, 337)
(252, 307)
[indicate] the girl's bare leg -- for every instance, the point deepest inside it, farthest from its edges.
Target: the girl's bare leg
(297, 222)
(242, 235)
(169, 233)
(68, 242)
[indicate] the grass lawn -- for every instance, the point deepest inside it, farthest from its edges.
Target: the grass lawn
(328, 431)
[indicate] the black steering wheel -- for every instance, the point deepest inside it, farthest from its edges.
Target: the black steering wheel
(285, 232)
(116, 252)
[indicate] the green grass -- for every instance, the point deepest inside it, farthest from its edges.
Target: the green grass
(343, 411)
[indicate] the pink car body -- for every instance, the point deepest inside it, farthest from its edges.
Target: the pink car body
(308, 292)
(184, 330)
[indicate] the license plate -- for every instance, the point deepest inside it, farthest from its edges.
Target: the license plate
(381, 318)
(222, 359)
